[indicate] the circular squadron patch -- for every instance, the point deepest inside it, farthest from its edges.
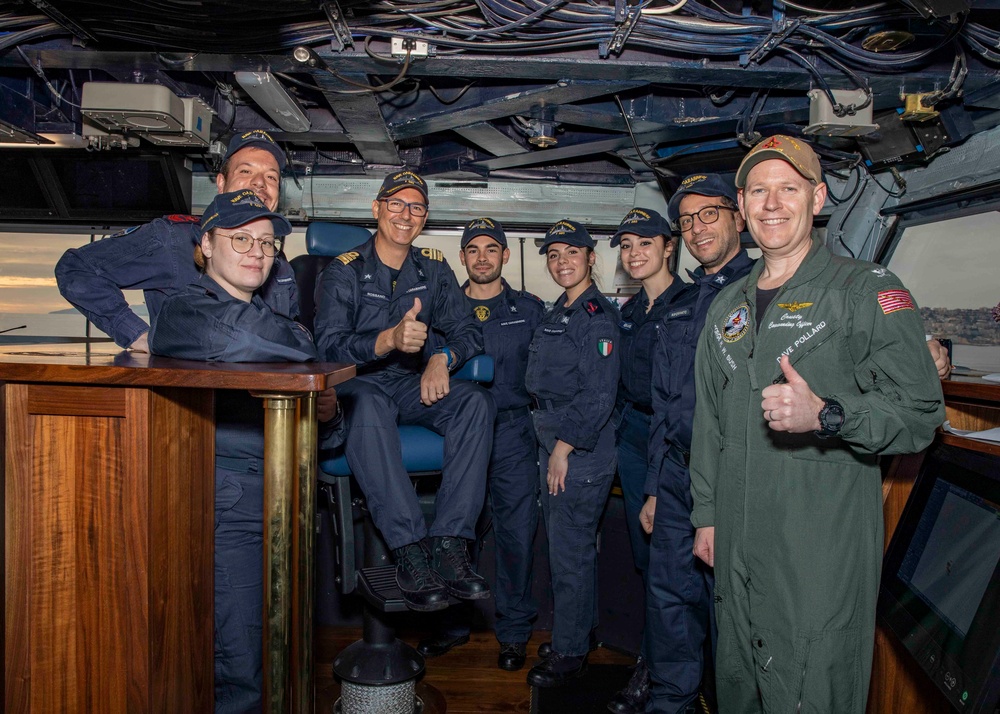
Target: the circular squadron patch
(737, 323)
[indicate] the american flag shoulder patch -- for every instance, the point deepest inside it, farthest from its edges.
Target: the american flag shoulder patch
(893, 300)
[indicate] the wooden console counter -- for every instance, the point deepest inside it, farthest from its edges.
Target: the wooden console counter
(107, 498)
(899, 685)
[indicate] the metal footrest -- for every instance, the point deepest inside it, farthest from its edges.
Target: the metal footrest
(378, 587)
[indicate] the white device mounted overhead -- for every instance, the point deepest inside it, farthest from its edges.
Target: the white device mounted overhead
(275, 100)
(150, 110)
(823, 120)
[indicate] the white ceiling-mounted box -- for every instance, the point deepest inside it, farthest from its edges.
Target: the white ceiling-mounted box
(197, 126)
(823, 120)
(117, 106)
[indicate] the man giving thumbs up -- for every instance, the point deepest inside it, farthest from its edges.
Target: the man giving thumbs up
(375, 308)
(807, 371)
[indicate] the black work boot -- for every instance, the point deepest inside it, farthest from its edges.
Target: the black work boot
(512, 655)
(557, 669)
(632, 699)
(450, 560)
(420, 586)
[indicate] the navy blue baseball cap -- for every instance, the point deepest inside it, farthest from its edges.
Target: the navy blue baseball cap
(643, 222)
(237, 208)
(703, 185)
(569, 232)
(396, 182)
(257, 138)
(484, 227)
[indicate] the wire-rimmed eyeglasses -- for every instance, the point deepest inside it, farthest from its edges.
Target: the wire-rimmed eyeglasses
(707, 215)
(243, 243)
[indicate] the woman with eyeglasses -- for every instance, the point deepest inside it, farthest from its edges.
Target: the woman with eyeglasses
(572, 377)
(222, 318)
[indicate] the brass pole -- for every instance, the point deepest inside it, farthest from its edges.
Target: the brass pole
(279, 476)
(302, 624)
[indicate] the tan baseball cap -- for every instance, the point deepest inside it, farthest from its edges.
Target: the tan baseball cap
(795, 151)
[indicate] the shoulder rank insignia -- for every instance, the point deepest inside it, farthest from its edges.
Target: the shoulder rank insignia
(432, 253)
(794, 306)
(346, 258)
(593, 307)
(182, 218)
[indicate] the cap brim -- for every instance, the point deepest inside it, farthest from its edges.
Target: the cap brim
(766, 155)
(273, 149)
(397, 189)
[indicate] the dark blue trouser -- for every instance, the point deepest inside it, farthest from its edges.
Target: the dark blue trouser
(571, 520)
(633, 444)
(513, 486)
(514, 497)
(239, 586)
(374, 405)
(679, 612)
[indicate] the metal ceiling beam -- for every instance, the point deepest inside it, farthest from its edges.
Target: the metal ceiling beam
(777, 73)
(362, 120)
(490, 139)
(515, 102)
(699, 130)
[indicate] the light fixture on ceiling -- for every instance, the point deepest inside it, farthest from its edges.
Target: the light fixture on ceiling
(275, 100)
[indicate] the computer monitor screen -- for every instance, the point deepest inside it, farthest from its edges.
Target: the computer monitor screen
(941, 582)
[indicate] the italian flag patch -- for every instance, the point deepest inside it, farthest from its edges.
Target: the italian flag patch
(605, 347)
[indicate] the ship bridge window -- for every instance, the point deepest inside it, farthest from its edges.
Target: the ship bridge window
(951, 269)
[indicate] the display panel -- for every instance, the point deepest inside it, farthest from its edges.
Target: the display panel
(941, 582)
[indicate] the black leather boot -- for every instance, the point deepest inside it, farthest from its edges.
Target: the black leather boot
(632, 699)
(420, 586)
(512, 656)
(557, 669)
(450, 561)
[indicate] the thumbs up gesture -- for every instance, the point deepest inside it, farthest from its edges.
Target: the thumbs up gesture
(409, 335)
(792, 406)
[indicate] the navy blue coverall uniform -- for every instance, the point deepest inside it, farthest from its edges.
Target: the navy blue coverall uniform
(204, 322)
(573, 370)
(508, 323)
(635, 403)
(157, 258)
(679, 613)
(356, 301)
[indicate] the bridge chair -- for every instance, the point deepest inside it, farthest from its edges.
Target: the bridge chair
(377, 673)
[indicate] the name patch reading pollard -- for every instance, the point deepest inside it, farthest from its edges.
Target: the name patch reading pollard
(802, 339)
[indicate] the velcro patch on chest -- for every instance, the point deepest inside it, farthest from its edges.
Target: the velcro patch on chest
(737, 323)
(894, 300)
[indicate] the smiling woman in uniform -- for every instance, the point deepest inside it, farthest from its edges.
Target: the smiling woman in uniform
(573, 377)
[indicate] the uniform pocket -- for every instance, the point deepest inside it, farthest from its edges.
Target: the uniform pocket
(228, 492)
(831, 673)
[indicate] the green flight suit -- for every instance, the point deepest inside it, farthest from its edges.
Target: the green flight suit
(798, 519)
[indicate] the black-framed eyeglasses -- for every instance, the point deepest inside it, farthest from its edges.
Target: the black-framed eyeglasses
(707, 215)
(396, 206)
(243, 243)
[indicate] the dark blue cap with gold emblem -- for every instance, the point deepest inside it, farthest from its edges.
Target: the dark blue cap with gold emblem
(643, 222)
(394, 183)
(569, 232)
(484, 227)
(703, 185)
(237, 208)
(257, 138)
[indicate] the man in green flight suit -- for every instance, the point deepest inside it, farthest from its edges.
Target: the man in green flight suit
(807, 371)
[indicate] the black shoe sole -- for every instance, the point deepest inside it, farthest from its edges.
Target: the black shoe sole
(485, 595)
(432, 651)
(432, 607)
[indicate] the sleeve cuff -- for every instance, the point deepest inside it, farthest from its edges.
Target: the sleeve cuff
(580, 439)
(703, 516)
